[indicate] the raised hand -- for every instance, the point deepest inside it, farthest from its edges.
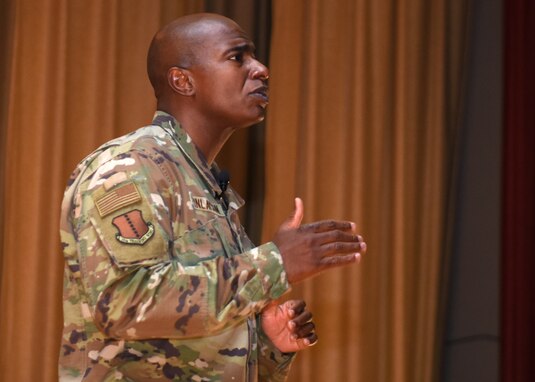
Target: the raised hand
(289, 325)
(311, 248)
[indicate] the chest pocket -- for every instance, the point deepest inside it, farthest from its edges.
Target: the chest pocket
(212, 239)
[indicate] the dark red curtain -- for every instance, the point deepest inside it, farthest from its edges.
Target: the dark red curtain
(518, 302)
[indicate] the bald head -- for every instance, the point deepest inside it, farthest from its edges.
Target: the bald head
(205, 74)
(180, 44)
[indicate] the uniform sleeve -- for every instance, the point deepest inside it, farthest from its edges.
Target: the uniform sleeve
(140, 282)
(273, 365)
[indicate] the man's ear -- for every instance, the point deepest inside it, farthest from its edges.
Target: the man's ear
(181, 81)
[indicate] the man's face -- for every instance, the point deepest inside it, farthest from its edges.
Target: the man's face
(229, 82)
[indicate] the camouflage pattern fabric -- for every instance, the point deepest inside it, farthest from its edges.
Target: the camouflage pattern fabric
(161, 282)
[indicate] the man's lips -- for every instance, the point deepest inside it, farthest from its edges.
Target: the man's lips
(261, 93)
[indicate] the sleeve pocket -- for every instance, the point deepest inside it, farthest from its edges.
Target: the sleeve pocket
(132, 235)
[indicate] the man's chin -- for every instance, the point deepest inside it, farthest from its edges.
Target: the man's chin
(259, 116)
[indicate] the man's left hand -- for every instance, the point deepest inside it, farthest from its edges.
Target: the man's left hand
(289, 325)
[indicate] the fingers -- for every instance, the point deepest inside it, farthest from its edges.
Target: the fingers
(300, 324)
(335, 238)
(301, 319)
(337, 243)
(329, 225)
(303, 329)
(294, 307)
(339, 248)
(336, 261)
(304, 247)
(300, 330)
(337, 235)
(311, 339)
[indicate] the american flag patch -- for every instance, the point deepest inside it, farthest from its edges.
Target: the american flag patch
(118, 198)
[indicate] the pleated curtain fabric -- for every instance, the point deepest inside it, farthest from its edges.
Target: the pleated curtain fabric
(76, 79)
(72, 77)
(362, 126)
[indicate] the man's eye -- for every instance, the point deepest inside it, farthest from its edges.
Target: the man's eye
(237, 57)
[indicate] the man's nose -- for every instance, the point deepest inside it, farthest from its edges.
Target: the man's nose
(259, 71)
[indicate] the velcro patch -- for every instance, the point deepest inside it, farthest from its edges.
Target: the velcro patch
(203, 204)
(117, 198)
(133, 229)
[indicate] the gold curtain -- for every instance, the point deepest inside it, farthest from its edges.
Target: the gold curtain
(76, 78)
(362, 125)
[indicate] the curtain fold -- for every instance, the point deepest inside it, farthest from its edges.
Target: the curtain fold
(72, 77)
(362, 126)
(6, 45)
(76, 73)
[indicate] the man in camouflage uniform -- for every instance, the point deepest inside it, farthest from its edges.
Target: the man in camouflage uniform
(161, 281)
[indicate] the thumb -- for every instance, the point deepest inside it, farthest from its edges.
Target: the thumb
(297, 216)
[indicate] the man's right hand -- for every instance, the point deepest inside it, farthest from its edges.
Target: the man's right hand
(311, 248)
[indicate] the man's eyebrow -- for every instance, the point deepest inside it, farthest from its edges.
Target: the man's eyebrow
(244, 47)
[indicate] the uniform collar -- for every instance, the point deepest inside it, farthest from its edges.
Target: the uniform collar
(181, 138)
(196, 157)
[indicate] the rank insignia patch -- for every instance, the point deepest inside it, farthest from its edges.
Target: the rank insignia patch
(133, 229)
(118, 198)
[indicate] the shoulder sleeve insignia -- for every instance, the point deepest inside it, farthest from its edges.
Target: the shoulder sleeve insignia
(133, 229)
(117, 198)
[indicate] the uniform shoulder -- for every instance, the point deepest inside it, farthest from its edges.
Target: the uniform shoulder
(139, 140)
(118, 150)
(151, 135)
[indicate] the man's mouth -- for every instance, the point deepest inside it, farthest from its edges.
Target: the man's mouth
(262, 93)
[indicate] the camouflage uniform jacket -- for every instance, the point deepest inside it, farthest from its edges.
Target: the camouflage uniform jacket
(161, 282)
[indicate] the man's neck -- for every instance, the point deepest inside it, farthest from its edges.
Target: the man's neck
(209, 140)
(207, 137)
